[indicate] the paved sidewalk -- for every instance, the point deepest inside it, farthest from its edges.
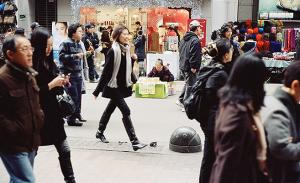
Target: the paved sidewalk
(95, 162)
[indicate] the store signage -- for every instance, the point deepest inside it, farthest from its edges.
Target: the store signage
(279, 9)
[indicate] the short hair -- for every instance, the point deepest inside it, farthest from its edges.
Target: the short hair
(34, 25)
(9, 44)
(194, 28)
(137, 23)
(160, 61)
(291, 74)
(140, 32)
(117, 32)
(20, 31)
(73, 28)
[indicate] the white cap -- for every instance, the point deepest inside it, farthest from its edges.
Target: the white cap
(195, 23)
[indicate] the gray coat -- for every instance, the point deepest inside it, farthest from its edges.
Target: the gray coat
(280, 122)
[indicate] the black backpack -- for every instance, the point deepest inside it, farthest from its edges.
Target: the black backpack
(193, 101)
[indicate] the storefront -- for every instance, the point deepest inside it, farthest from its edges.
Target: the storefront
(163, 23)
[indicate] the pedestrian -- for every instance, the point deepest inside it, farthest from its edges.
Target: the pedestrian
(116, 84)
(139, 50)
(189, 57)
(221, 51)
(71, 55)
(51, 84)
(106, 42)
(281, 121)
(21, 117)
(91, 43)
(240, 144)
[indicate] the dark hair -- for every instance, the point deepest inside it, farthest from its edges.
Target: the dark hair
(160, 61)
(137, 23)
(105, 36)
(214, 35)
(34, 25)
(225, 28)
(117, 32)
(140, 32)
(193, 28)
(38, 40)
(72, 29)
(9, 44)
(20, 31)
(242, 89)
(291, 74)
(221, 47)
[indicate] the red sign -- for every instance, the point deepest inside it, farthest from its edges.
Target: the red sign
(202, 37)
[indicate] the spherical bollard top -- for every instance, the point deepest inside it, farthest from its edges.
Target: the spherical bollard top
(185, 140)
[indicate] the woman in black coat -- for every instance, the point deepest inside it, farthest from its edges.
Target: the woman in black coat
(222, 55)
(50, 84)
(116, 83)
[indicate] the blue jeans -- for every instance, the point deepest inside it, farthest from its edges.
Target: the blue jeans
(75, 92)
(19, 166)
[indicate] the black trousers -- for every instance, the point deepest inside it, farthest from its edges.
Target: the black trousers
(62, 148)
(112, 105)
(190, 79)
(92, 71)
(208, 154)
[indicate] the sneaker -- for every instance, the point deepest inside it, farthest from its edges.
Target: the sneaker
(180, 104)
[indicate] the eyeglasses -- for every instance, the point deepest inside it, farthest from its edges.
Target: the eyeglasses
(26, 49)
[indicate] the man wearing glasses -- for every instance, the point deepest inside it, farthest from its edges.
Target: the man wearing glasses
(21, 117)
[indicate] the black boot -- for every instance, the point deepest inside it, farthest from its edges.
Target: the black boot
(136, 144)
(71, 120)
(102, 126)
(99, 135)
(80, 118)
(66, 168)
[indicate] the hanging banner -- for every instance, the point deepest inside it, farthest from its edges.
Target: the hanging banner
(279, 9)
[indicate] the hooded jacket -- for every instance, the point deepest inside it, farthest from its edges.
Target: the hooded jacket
(190, 52)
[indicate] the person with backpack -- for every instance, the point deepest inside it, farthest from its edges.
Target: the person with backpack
(222, 54)
(189, 57)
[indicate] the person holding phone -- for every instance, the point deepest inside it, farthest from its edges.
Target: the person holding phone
(51, 84)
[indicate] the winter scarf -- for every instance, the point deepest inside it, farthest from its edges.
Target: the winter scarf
(118, 49)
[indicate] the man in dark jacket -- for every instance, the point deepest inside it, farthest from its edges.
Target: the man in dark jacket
(71, 56)
(21, 117)
(282, 125)
(91, 43)
(161, 71)
(190, 57)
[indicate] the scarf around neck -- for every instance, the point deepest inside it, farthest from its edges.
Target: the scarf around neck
(118, 49)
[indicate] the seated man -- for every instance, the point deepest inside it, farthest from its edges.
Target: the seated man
(161, 71)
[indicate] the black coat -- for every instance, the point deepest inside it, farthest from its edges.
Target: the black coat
(53, 130)
(216, 81)
(139, 44)
(107, 92)
(164, 74)
(190, 53)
